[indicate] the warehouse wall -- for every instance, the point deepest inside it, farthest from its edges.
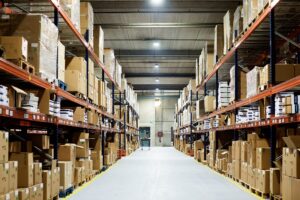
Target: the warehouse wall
(159, 118)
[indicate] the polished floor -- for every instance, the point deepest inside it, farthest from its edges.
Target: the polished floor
(162, 173)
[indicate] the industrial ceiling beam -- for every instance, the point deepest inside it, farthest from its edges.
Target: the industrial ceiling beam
(188, 11)
(158, 39)
(156, 25)
(159, 75)
(157, 53)
(159, 86)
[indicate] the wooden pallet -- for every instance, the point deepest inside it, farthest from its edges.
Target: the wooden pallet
(24, 65)
(79, 95)
(246, 185)
(262, 195)
(56, 197)
(275, 197)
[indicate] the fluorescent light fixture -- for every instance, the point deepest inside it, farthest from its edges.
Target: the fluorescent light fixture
(156, 2)
(156, 44)
(156, 66)
(157, 90)
(157, 102)
(157, 80)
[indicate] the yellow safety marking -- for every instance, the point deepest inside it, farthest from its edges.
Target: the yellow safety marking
(232, 181)
(80, 188)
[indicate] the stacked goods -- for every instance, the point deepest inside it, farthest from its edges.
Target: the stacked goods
(223, 94)
(228, 25)
(87, 21)
(72, 8)
(200, 74)
(237, 23)
(219, 121)
(286, 103)
(222, 160)
(209, 104)
(212, 149)
(197, 72)
(30, 102)
(75, 75)
(99, 42)
(15, 47)
(208, 58)
(102, 100)
(118, 73)
(245, 14)
(198, 146)
(206, 124)
(199, 108)
(4, 164)
(91, 80)
(4, 100)
(252, 10)
(61, 61)
(218, 43)
(236, 159)
(66, 114)
(110, 62)
(96, 154)
(42, 40)
(253, 81)
(291, 168)
(242, 88)
(108, 100)
(244, 164)
(248, 114)
(80, 115)
(275, 181)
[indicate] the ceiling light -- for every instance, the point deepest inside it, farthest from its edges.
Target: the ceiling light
(157, 80)
(156, 2)
(157, 90)
(156, 44)
(157, 102)
(156, 65)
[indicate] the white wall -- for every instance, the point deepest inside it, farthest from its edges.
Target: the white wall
(159, 118)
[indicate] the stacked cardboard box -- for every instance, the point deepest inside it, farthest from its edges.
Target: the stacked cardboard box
(15, 47)
(212, 149)
(242, 84)
(61, 61)
(87, 21)
(110, 61)
(223, 94)
(218, 43)
(209, 103)
(228, 26)
(75, 75)
(72, 8)
(198, 145)
(291, 168)
(253, 81)
(237, 23)
(99, 42)
(91, 81)
(236, 159)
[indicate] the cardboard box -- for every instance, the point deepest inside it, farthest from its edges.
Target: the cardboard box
(13, 175)
(237, 168)
(263, 156)
(61, 61)
(37, 173)
(76, 64)
(41, 141)
(82, 141)
(244, 172)
(87, 20)
(40, 191)
(99, 42)
(290, 188)
(4, 172)
(244, 151)
(236, 149)
(55, 181)
(209, 104)
(15, 47)
(263, 181)
(24, 194)
(33, 192)
(79, 114)
(76, 81)
(97, 160)
(251, 176)
(47, 177)
(66, 174)
(15, 147)
(78, 175)
(275, 177)
(228, 25)
(3, 147)
(291, 162)
(292, 141)
(218, 42)
(25, 168)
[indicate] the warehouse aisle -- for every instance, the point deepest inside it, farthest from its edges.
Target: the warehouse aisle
(160, 174)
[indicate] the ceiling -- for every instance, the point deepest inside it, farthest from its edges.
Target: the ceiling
(180, 27)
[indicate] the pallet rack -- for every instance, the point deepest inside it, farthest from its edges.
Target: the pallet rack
(250, 46)
(19, 118)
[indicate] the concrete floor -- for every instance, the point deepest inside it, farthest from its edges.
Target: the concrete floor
(160, 174)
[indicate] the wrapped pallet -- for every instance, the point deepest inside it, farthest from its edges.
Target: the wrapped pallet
(228, 24)
(99, 42)
(261, 4)
(72, 8)
(61, 61)
(252, 10)
(218, 42)
(197, 72)
(253, 81)
(87, 20)
(201, 66)
(42, 40)
(245, 14)
(237, 23)
(209, 58)
(110, 61)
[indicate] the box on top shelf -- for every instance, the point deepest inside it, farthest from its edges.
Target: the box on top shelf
(118, 73)
(208, 57)
(209, 103)
(218, 43)
(110, 61)
(228, 25)
(252, 10)
(253, 80)
(61, 61)
(87, 20)
(72, 8)
(99, 42)
(42, 40)
(237, 23)
(15, 47)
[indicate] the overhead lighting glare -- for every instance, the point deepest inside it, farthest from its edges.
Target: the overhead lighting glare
(156, 66)
(156, 2)
(156, 44)
(157, 80)
(157, 102)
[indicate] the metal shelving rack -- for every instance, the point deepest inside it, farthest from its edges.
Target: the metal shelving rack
(268, 19)
(19, 118)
